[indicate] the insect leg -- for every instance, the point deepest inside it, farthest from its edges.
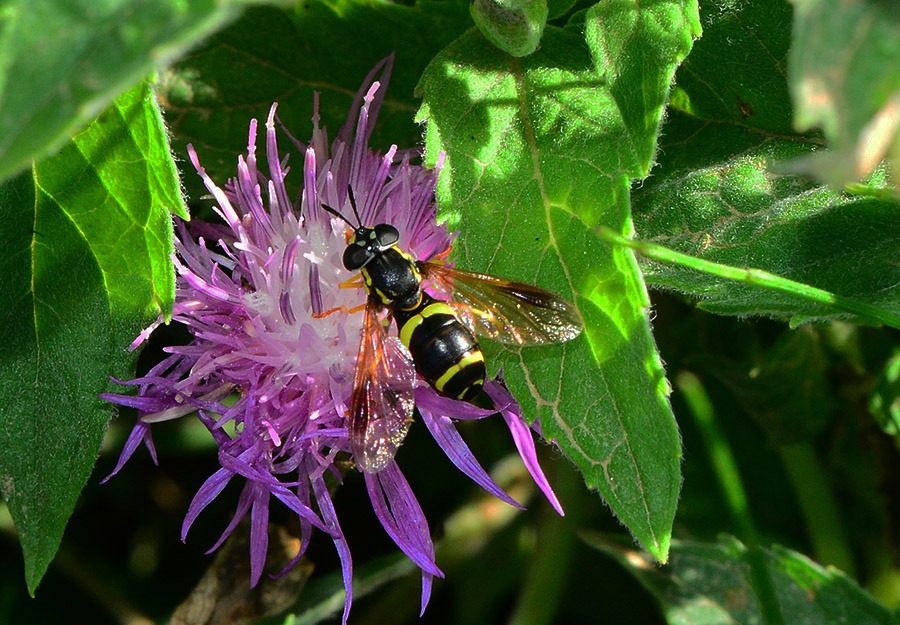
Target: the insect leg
(349, 311)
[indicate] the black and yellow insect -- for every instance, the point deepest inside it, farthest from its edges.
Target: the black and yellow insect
(437, 337)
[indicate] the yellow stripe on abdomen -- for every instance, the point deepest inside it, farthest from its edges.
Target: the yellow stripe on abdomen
(468, 359)
(436, 308)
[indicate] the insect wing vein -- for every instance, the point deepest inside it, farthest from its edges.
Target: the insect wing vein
(505, 310)
(382, 403)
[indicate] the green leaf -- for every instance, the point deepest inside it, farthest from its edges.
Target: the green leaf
(273, 55)
(884, 403)
(734, 82)
(706, 584)
(62, 62)
(538, 154)
(717, 193)
(88, 241)
(844, 74)
(633, 46)
(514, 26)
(558, 8)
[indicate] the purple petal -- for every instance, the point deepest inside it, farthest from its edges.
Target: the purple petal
(406, 510)
(145, 334)
(224, 205)
(305, 534)
(346, 131)
(401, 516)
(310, 201)
(204, 287)
(259, 533)
(315, 291)
(218, 434)
(243, 506)
(291, 501)
(282, 203)
(428, 398)
(251, 199)
(498, 392)
(326, 509)
(210, 489)
(144, 404)
(521, 434)
(446, 435)
(427, 580)
(140, 432)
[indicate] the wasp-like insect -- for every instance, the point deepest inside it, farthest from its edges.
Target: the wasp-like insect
(437, 337)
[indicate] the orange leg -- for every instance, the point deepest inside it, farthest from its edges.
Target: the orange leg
(442, 257)
(356, 282)
(349, 311)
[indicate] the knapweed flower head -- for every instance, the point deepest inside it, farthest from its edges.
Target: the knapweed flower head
(255, 293)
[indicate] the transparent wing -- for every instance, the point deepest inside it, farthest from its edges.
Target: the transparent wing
(382, 403)
(505, 310)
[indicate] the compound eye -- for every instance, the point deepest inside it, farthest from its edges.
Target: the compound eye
(355, 256)
(386, 235)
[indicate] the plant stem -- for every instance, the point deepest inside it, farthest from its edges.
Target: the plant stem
(545, 580)
(726, 471)
(756, 277)
(819, 508)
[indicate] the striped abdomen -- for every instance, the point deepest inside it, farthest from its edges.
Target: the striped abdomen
(444, 351)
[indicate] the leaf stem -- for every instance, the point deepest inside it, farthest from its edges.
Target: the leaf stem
(726, 471)
(756, 277)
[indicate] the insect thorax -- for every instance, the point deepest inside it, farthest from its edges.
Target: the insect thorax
(393, 277)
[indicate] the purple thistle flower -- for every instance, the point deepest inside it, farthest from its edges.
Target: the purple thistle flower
(252, 292)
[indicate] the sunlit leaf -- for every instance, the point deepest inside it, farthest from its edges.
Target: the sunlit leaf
(88, 241)
(539, 151)
(62, 62)
(514, 26)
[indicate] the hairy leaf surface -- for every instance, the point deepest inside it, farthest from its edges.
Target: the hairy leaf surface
(88, 242)
(540, 150)
(719, 191)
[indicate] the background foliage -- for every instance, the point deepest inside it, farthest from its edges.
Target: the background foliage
(751, 135)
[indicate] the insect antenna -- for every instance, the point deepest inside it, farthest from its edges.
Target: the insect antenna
(353, 204)
(337, 214)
